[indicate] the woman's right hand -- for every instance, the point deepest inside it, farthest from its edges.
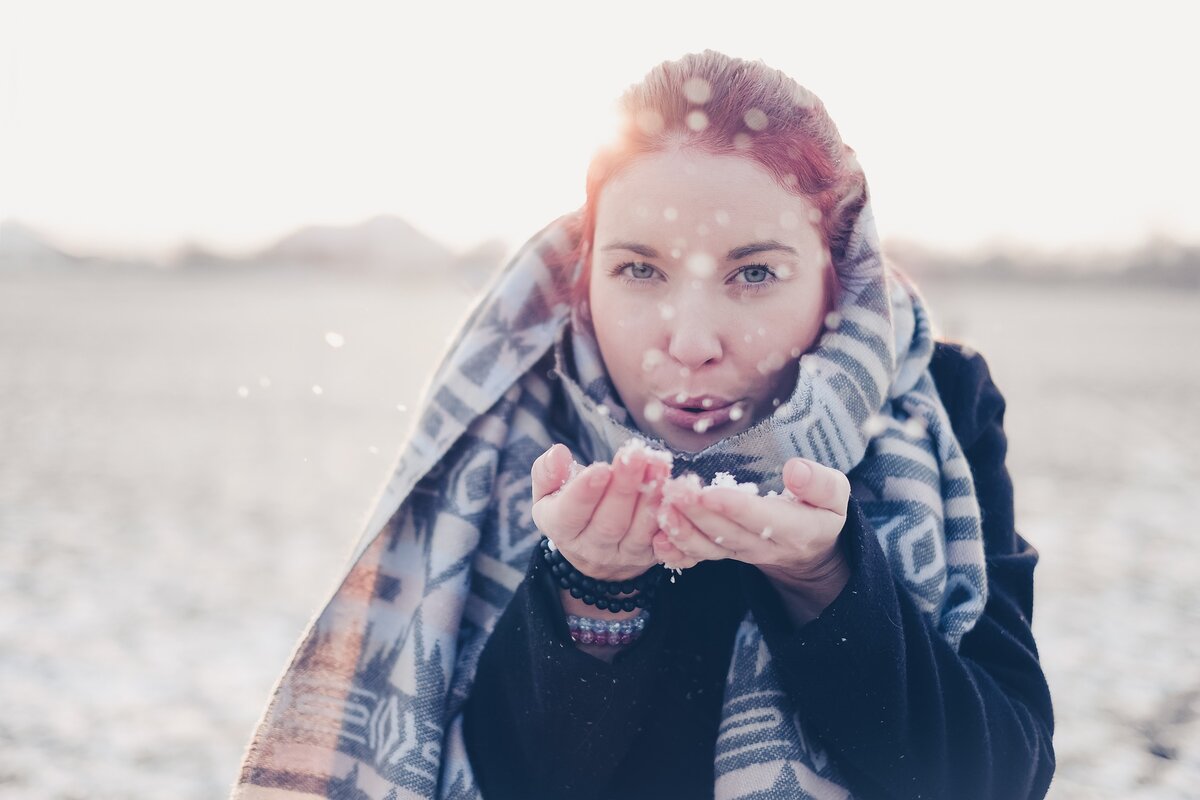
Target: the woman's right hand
(604, 519)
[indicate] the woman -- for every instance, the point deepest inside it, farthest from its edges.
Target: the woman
(854, 625)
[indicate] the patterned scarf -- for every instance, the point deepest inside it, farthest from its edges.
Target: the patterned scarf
(371, 703)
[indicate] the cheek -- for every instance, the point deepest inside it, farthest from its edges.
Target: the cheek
(618, 315)
(625, 334)
(786, 329)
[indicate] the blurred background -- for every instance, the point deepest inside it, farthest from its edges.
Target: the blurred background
(235, 236)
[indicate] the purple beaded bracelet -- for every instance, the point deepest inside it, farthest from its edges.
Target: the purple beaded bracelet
(587, 630)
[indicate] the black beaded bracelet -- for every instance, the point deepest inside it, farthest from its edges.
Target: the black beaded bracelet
(604, 595)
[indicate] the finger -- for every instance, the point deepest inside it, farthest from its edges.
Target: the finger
(751, 545)
(645, 516)
(817, 484)
(794, 525)
(550, 471)
(689, 540)
(565, 515)
(669, 555)
(614, 514)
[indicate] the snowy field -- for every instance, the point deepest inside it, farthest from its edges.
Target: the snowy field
(176, 501)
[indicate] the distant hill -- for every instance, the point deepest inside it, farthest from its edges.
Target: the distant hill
(23, 248)
(1159, 261)
(384, 243)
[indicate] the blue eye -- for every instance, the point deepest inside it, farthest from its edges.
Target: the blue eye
(754, 278)
(755, 274)
(634, 273)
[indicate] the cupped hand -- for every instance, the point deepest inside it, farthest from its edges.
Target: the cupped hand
(604, 518)
(792, 537)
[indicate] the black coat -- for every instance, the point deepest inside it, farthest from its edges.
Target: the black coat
(902, 714)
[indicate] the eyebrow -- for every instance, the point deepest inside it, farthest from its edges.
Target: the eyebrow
(733, 255)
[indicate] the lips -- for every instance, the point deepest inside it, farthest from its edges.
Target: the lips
(690, 413)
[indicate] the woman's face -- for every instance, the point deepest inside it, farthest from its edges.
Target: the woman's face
(708, 281)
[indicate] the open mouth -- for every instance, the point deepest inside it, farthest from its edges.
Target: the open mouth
(701, 415)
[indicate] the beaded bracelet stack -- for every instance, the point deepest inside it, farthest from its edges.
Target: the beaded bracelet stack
(614, 596)
(586, 630)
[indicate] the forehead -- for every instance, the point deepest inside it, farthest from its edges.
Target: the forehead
(681, 190)
(718, 198)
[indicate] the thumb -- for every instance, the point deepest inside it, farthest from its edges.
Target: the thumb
(550, 471)
(797, 476)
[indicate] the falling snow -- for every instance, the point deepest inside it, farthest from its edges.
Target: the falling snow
(697, 90)
(334, 339)
(874, 425)
(651, 358)
(914, 427)
(701, 264)
(755, 119)
(772, 363)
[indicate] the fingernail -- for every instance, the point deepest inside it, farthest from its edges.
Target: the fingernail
(599, 479)
(801, 471)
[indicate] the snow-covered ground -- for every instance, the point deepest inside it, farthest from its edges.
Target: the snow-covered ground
(176, 500)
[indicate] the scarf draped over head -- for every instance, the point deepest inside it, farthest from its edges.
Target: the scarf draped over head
(372, 699)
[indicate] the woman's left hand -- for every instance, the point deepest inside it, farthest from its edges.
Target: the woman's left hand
(792, 540)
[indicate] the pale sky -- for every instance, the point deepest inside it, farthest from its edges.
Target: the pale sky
(126, 127)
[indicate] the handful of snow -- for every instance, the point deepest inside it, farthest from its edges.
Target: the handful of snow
(676, 490)
(636, 445)
(724, 480)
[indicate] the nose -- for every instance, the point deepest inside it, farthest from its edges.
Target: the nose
(695, 338)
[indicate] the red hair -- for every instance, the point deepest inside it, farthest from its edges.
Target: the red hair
(745, 108)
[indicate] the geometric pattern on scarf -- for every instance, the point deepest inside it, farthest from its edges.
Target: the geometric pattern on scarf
(370, 704)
